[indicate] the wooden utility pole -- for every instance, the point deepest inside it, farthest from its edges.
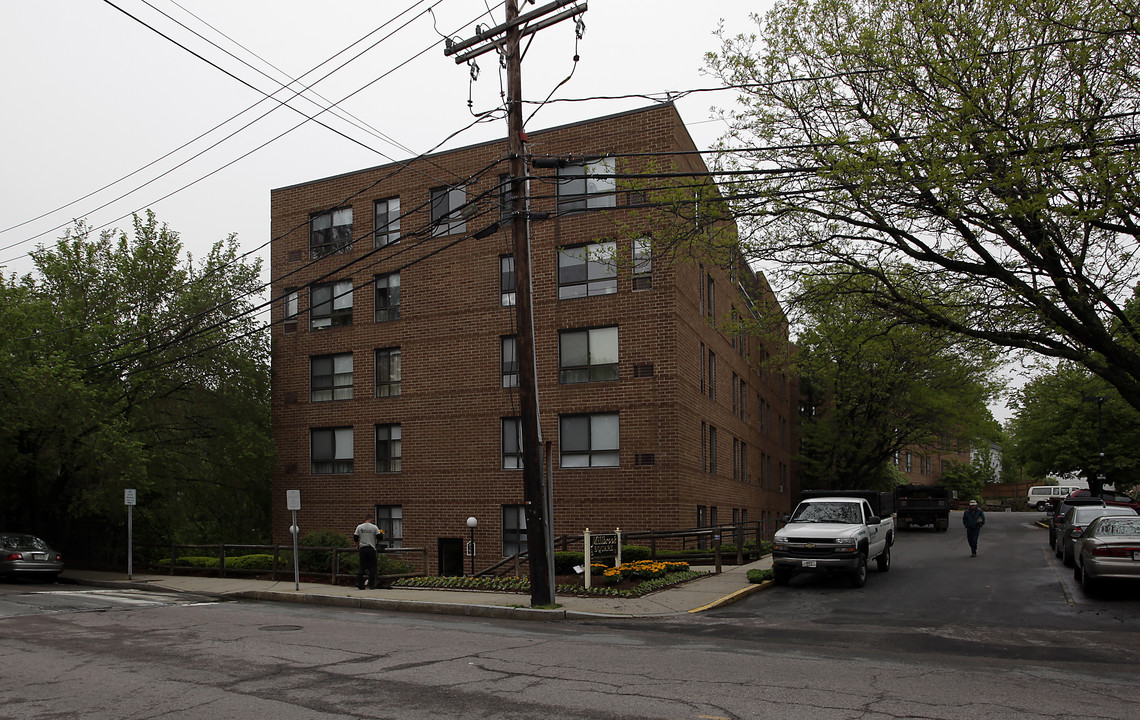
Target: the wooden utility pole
(541, 583)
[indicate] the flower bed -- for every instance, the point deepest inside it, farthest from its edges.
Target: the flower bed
(627, 580)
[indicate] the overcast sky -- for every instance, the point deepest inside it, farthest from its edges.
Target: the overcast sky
(94, 95)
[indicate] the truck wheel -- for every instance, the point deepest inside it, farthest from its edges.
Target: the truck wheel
(883, 562)
(859, 577)
(1041, 506)
(781, 574)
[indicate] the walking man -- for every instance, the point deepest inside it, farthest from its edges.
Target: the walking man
(973, 519)
(365, 536)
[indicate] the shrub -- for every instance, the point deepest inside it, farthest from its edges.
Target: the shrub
(320, 560)
(565, 560)
(759, 576)
(250, 562)
(633, 553)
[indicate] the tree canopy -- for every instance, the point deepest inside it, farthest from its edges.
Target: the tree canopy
(124, 366)
(978, 158)
(1064, 420)
(875, 389)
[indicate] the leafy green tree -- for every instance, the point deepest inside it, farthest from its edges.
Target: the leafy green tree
(979, 159)
(124, 366)
(876, 388)
(1063, 420)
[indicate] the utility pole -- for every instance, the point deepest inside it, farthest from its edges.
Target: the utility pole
(512, 30)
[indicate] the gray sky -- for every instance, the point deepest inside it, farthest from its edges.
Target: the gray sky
(94, 96)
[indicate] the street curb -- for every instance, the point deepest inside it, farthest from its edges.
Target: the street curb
(734, 597)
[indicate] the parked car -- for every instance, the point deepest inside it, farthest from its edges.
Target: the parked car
(28, 556)
(1059, 507)
(1109, 549)
(1111, 498)
(1073, 526)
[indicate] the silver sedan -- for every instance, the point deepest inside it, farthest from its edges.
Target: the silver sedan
(1109, 549)
(28, 556)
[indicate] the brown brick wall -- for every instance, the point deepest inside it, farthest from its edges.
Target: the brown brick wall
(448, 333)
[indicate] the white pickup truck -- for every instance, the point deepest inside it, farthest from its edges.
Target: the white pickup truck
(833, 534)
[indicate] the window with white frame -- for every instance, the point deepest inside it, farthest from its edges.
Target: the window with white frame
(388, 372)
(588, 355)
(588, 440)
(507, 280)
(587, 270)
(330, 377)
(389, 448)
(386, 221)
(330, 450)
(514, 529)
(588, 185)
(447, 210)
(512, 443)
(330, 232)
(642, 264)
(331, 305)
(387, 304)
(390, 519)
(509, 361)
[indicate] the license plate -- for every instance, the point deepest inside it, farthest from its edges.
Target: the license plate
(39, 556)
(1136, 555)
(811, 563)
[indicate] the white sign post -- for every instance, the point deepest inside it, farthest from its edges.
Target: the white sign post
(129, 501)
(293, 503)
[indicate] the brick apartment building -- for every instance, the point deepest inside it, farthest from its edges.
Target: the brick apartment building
(394, 375)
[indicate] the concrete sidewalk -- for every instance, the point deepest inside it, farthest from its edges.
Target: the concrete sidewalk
(715, 590)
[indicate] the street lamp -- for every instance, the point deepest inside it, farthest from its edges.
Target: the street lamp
(471, 523)
(1100, 476)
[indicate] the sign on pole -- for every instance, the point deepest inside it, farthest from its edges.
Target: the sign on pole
(129, 501)
(293, 504)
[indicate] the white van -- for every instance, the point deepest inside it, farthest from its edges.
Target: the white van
(1039, 495)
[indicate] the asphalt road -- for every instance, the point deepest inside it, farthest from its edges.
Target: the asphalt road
(941, 635)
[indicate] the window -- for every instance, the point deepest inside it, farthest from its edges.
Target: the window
(703, 369)
(330, 377)
(712, 375)
(290, 305)
(735, 394)
(589, 440)
(388, 373)
(386, 221)
(506, 280)
(710, 306)
(389, 450)
(330, 232)
(909, 462)
(331, 304)
(390, 519)
(586, 271)
(588, 355)
(514, 529)
(330, 450)
(739, 460)
(447, 210)
(506, 209)
(704, 447)
(712, 450)
(388, 297)
(509, 361)
(642, 264)
(512, 443)
(587, 186)
(743, 400)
